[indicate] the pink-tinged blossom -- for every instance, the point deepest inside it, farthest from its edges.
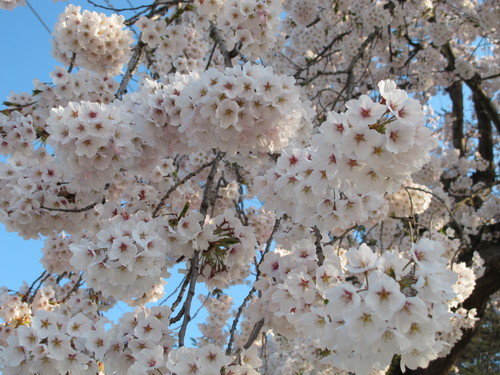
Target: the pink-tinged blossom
(399, 137)
(414, 310)
(97, 341)
(364, 111)
(301, 286)
(334, 128)
(14, 353)
(360, 140)
(147, 360)
(28, 336)
(427, 252)
(384, 296)
(360, 259)
(342, 299)
(364, 324)
(149, 329)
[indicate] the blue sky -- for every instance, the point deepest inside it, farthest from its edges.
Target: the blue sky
(25, 55)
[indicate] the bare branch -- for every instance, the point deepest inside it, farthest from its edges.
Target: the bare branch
(78, 283)
(132, 66)
(186, 308)
(255, 332)
(83, 209)
(219, 40)
(251, 292)
(319, 247)
(194, 267)
(176, 185)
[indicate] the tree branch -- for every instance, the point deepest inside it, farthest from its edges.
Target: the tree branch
(456, 95)
(176, 185)
(219, 40)
(83, 209)
(132, 66)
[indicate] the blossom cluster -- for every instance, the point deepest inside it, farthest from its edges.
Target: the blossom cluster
(357, 157)
(213, 329)
(16, 134)
(251, 25)
(385, 304)
(35, 194)
(83, 85)
(91, 40)
(239, 110)
(175, 45)
(412, 199)
(11, 4)
(93, 141)
(58, 341)
(126, 259)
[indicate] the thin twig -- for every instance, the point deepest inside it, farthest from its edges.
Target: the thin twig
(175, 291)
(32, 296)
(211, 56)
(78, 283)
(189, 298)
(34, 282)
(319, 247)
(183, 287)
(205, 203)
(86, 208)
(38, 17)
(251, 292)
(132, 66)
(177, 184)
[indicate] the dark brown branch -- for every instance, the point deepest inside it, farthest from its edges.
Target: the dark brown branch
(186, 308)
(83, 209)
(319, 247)
(117, 9)
(78, 283)
(31, 298)
(485, 142)
(255, 332)
(211, 56)
(236, 320)
(194, 267)
(320, 55)
(489, 107)
(179, 286)
(184, 285)
(132, 66)
(42, 275)
(219, 40)
(474, 84)
(251, 292)
(207, 192)
(177, 184)
(349, 86)
(456, 95)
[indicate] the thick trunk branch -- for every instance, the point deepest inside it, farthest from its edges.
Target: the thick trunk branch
(456, 95)
(489, 107)
(485, 142)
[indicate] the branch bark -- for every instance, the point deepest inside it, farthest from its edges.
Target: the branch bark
(485, 142)
(457, 99)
